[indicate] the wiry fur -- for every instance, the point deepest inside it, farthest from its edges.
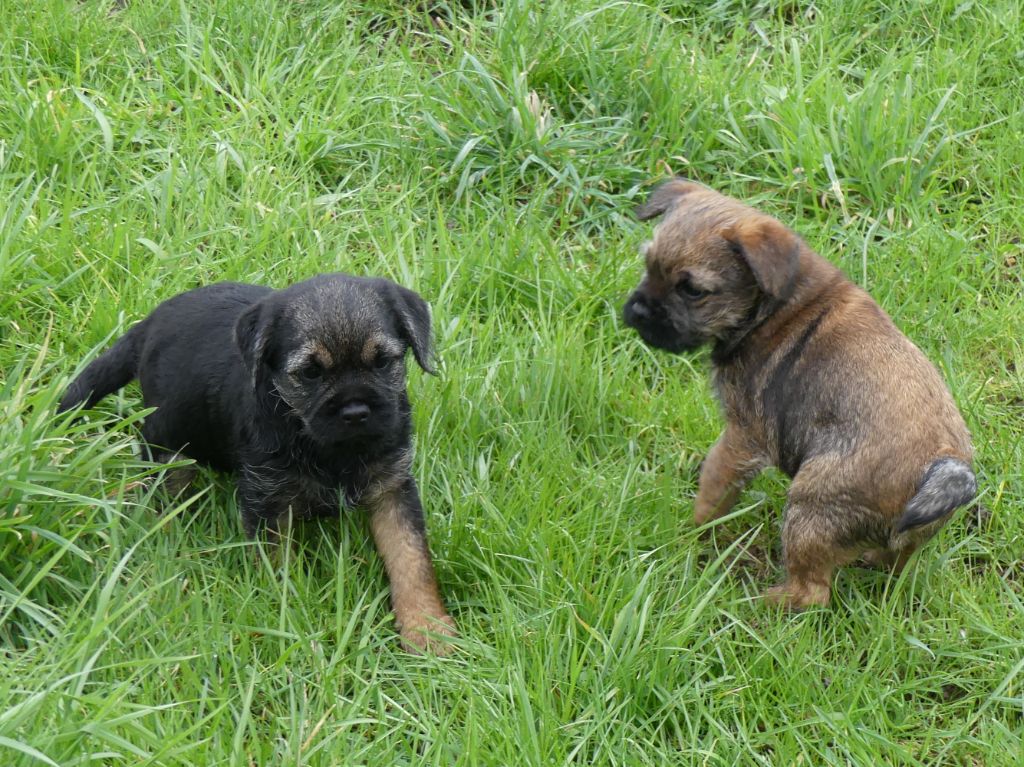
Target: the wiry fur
(813, 377)
(301, 393)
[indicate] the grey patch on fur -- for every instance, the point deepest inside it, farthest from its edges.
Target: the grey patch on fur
(948, 484)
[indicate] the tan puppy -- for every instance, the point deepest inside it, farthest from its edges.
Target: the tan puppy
(813, 377)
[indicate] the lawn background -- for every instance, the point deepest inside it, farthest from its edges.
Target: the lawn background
(489, 155)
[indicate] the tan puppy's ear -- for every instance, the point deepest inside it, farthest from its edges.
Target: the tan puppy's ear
(771, 251)
(664, 197)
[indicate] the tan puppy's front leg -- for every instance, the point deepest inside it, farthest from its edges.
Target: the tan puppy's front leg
(396, 519)
(729, 466)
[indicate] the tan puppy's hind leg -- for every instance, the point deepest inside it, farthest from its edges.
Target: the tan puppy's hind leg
(812, 555)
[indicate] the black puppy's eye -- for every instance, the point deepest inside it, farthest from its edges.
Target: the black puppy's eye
(686, 288)
(311, 371)
(382, 361)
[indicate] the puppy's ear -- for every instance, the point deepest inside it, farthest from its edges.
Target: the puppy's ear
(413, 315)
(664, 197)
(771, 251)
(253, 332)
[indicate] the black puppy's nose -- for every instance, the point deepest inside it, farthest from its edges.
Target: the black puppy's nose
(355, 412)
(636, 310)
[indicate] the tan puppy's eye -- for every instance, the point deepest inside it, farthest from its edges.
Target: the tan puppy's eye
(687, 289)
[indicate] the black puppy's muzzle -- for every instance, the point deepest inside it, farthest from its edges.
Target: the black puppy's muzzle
(354, 413)
(353, 418)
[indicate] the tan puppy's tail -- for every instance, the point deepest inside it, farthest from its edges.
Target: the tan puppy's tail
(948, 484)
(107, 373)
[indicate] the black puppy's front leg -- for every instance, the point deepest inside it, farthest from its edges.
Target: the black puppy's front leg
(396, 519)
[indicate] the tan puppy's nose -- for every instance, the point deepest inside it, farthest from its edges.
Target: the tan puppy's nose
(636, 310)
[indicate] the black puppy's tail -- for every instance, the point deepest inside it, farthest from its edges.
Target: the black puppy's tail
(107, 373)
(948, 484)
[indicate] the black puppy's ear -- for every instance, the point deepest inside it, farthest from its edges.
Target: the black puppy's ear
(771, 251)
(664, 197)
(252, 334)
(413, 315)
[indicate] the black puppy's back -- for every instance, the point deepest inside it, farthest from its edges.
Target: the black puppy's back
(188, 364)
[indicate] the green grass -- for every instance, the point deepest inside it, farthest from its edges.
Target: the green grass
(488, 155)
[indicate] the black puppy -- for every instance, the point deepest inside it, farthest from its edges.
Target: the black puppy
(302, 393)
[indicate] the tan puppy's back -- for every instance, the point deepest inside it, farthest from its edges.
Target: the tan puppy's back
(876, 376)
